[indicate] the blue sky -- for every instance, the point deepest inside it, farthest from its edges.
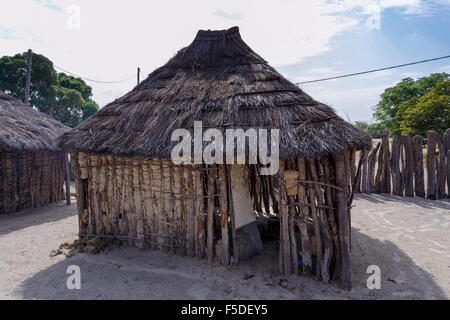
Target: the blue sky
(304, 40)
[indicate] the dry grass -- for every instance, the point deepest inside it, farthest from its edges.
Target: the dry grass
(219, 80)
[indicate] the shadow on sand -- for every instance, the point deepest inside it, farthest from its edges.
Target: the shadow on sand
(128, 273)
(421, 202)
(36, 216)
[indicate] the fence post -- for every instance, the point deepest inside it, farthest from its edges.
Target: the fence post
(419, 181)
(409, 167)
(431, 170)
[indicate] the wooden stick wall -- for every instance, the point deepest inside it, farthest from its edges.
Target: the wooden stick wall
(30, 179)
(188, 210)
(403, 166)
(315, 201)
(152, 203)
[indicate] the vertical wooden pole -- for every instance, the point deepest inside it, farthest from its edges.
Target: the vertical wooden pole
(441, 170)
(419, 183)
(224, 214)
(28, 83)
(372, 161)
(284, 225)
(397, 187)
(409, 166)
(303, 219)
(67, 177)
(431, 170)
(365, 171)
(353, 164)
(324, 227)
(386, 174)
(210, 221)
(446, 141)
(232, 218)
(331, 216)
(199, 211)
(343, 225)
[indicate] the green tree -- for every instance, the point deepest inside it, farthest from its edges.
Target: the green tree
(429, 112)
(66, 98)
(375, 130)
(386, 110)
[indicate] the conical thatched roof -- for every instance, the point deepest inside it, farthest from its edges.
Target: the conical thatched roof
(219, 80)
(25, 129)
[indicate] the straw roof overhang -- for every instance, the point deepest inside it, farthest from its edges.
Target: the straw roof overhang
(220, 81)
(24, 129)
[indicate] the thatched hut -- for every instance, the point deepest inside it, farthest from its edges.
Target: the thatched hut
(31, 166)
(129, 189)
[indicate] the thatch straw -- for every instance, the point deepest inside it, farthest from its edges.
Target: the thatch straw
(219, 80)
(25, 129)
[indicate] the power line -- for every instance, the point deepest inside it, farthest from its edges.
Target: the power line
(375, 70)
(92, 80)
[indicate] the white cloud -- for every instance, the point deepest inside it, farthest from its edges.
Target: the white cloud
(118, 36)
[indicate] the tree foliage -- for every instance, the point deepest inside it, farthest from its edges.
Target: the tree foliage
(387, 109)
(375, 130)
(64, 97)
(429, 112)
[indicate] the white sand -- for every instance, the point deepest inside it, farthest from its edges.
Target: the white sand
(408, 239)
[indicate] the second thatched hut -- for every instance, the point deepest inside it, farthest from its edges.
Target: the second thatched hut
(129, 190)
(31, 166)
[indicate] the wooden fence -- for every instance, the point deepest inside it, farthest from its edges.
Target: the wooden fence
(409, 167)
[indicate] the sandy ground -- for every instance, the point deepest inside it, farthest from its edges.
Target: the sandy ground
(408, 239)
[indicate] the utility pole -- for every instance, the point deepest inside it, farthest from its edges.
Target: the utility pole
(138, 75)
(27, 88)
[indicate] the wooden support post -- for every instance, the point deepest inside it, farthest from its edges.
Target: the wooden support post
(365, 171)
(285, 254)
(353, 168)
(432, 138)
(372, 161)
(397, 186)
(409, 166)
(386, 173)
(343, 225)
(224, 214)
(303, 219)
(446, 141)
(324, 227)
(28, 82)
(329, 201)
(210, 221)
(441, 169)
(232, 217)
(419, 182)
(67, 177)
(83, 219)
